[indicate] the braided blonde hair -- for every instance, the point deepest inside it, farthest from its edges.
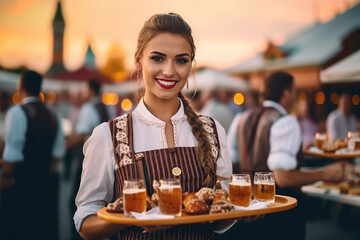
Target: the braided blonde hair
(174, 23)
(204, 146)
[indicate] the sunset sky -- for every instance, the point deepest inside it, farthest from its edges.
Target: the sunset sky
(226, 32)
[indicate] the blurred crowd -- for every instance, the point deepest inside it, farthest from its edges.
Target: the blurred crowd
(81, 111)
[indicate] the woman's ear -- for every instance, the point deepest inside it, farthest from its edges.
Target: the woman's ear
(137, 61)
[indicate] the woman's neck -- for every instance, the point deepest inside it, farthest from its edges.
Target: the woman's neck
(162, 109)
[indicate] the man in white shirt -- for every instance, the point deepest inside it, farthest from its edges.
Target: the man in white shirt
(269, 139)
(34, 143)
(342, 120)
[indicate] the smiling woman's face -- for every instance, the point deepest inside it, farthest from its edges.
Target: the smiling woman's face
(166, 65)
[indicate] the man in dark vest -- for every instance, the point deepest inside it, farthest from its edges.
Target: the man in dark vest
(34, 142)
(269, 139)
(92, 113)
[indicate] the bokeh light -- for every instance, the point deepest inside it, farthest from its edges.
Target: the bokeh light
(126, 104)
(302, 97)
(356, 99)
(110, 98)
(334, 98)
(239, 98)
(319, 97)
(50, 97)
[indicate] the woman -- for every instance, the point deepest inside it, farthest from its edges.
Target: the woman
(164, 128)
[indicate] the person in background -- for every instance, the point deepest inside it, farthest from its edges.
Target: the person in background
(217, 107)
(92, 113)
(269, 139)
(341, 120)
(308, 124)
(197, 102)
(34, 142)
(251, 101)
(164, 128)
(4, 106)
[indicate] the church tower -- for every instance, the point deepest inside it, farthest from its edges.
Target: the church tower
(58, 25)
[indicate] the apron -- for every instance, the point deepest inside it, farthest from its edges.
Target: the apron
(159, 164)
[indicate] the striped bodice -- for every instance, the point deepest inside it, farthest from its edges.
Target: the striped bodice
(159, 165)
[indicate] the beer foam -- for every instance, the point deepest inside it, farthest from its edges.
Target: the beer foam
(240, 183)
(265, 183)
(131, 191)
(169, 187)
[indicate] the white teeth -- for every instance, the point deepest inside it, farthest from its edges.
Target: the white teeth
(166, 83)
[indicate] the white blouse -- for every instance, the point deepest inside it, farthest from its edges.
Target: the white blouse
(285, 140)
(97, 180)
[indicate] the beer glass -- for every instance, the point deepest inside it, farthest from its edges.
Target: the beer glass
(353, 141)
(320, 138)
(264, 187)
(240, 190)
(134, 196)
(170, 197)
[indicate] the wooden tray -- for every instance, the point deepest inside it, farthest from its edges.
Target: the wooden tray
(333, 155)
(282, 203)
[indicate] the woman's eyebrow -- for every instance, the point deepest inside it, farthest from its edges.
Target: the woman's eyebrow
(159, 53)
(163, 54)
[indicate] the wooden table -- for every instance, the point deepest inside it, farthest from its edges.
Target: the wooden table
(314, 152)
(331, 194)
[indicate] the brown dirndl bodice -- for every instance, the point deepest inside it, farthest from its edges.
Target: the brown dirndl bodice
(158, 165)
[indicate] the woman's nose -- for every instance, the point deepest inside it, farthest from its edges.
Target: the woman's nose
(168, 69)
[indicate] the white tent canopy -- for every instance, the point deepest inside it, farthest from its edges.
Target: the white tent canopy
(346, 70)
(211, 79)
(8, 81)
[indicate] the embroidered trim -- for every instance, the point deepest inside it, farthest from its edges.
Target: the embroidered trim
(123, 148)
(175, 129)
(154, 124)
(208, 126)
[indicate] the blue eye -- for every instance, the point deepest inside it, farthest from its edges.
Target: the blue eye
(182, 60)
(157, 59)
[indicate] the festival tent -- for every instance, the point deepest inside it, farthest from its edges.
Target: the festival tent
(346, 70)
(211, 79)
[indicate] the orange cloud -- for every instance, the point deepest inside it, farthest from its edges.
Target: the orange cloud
(19, 7)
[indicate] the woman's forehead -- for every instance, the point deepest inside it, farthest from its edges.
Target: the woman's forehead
(168, 43)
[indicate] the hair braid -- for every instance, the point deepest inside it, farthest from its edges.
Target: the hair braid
(204, 146)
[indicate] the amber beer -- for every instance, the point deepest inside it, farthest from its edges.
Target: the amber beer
(170, 200)
(264, 192)
(134, 201)
(240, 194)
(240, 190)
(320, 139)
(357, 145)
(264, 187)
(354, 141)
(134, 197)
(170, 197)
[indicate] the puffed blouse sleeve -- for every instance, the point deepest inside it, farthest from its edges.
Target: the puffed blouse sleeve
(285, 142)
(97, 180)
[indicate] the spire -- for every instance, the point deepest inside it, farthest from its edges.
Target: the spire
(58, 25)
(58, 14)
(90, 58)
